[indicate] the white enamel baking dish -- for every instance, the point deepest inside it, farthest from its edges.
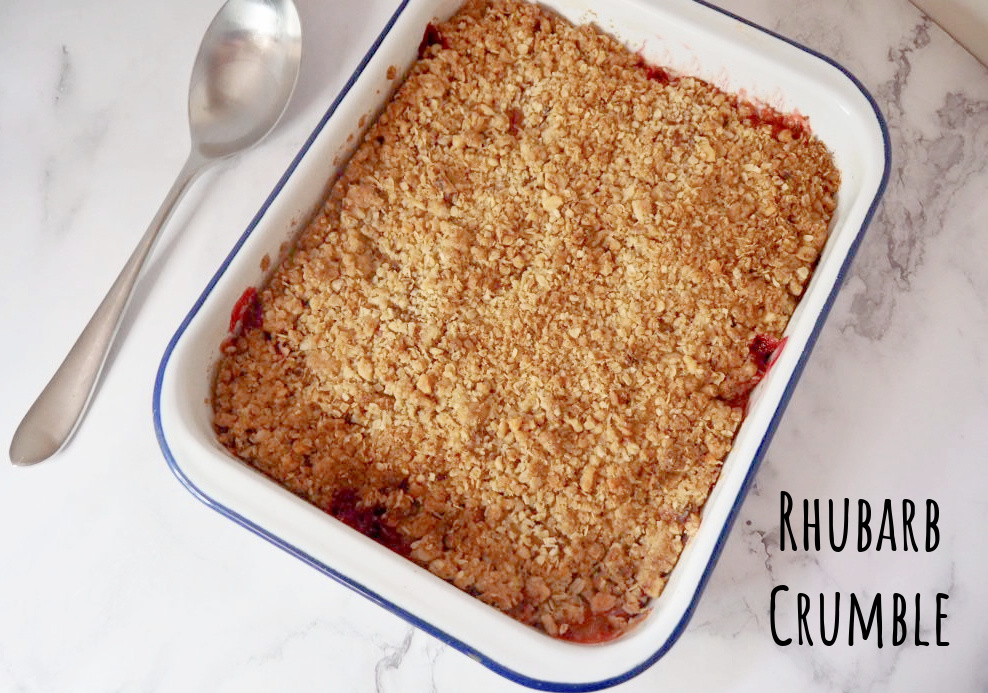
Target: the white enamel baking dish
(683, 35)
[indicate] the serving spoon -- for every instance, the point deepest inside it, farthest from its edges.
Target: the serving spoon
(242, 80)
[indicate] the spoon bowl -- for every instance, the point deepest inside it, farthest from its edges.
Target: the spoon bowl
(242, 81)
(244, 75)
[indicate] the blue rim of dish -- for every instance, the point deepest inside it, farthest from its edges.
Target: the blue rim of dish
(416, 621)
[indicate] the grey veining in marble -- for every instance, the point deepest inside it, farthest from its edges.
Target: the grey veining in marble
(113, 578)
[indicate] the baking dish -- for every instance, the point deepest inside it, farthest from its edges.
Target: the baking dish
(683, 36)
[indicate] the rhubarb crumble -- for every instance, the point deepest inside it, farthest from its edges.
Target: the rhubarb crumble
(516, 342)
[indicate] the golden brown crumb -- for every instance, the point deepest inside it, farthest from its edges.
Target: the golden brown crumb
(517, 333)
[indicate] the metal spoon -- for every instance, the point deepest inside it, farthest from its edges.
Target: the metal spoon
(243, 77)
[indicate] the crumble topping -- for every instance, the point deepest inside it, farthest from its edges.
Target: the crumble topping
(514, 342)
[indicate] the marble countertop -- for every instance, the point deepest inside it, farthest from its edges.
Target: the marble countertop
(113, 577)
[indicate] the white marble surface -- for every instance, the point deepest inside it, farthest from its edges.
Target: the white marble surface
(113, 577)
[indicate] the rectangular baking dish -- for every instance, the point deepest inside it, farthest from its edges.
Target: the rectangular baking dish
(684, 36)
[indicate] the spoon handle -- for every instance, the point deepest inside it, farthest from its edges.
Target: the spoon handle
(53, 417)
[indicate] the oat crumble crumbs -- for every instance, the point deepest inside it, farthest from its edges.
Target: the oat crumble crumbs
(516, 336)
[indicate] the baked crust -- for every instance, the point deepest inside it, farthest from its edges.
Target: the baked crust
(514, 343)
